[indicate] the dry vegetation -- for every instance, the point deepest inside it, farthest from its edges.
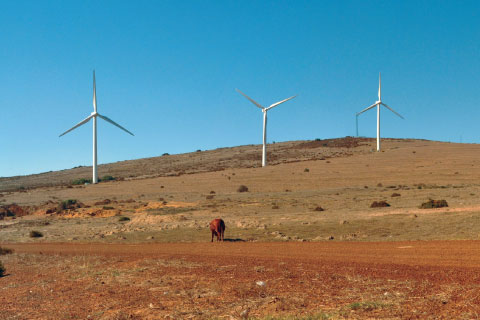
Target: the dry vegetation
(301, 199)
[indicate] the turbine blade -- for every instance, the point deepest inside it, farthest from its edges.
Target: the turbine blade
(393, 111)
(251, 100)
(366, 109)
(379, 86)
(94, 93)
(114, 123)
(280, 102)
(77, 125)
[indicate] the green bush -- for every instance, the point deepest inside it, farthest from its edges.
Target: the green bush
(121, 219)
(80, 181)
(67, 204)
(2, 269)
(35, 234)
(108, 178)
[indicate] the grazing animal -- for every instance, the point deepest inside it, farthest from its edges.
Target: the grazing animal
(217, 226)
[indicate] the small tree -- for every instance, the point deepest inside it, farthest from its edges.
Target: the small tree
(2, 269)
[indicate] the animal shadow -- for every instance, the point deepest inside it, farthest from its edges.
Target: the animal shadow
(233, 240)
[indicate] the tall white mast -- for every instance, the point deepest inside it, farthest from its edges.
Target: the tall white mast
(378, 104)
(264, 110)
(94, 116)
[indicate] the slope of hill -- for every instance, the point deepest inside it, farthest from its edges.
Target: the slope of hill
(201, 161)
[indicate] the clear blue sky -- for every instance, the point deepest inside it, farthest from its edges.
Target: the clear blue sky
(167, 71)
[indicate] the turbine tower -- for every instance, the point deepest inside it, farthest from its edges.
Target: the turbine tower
(378, 104)
(264, 110)
(94, 116)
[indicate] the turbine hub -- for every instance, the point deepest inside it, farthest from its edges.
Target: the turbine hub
(94, 114)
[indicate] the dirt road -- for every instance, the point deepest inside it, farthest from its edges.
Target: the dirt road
(416, 279)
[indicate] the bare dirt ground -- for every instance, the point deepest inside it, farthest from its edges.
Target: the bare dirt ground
(325, 280)
(136, 248)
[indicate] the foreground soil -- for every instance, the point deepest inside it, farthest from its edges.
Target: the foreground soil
(388, 280)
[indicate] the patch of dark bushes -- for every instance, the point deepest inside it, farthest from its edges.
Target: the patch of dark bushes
(69, 204)
(122, 219)
(4, 251)
(242, 188)
(2, 269)
(35, 234)
(108, 178)
(318, 209)
(81, 181)
(379, 204)
(434, 204)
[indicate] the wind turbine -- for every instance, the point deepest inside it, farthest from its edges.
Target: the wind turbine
(94, 116)
(264, 110)
(378, 104)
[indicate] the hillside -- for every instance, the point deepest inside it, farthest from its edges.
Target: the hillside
(316, 190)
(201, 161)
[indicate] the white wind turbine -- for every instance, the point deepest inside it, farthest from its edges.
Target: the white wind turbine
(264, 110)
(378, 104)
(94, 116)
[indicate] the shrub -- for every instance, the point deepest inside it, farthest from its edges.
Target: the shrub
(434, 204)
(107, 178)
(242, 188)
(121, 219)
(166, 154)
(396, 194)
(35, 234)
(4, 251)
(80, 181)
(108, 208)
(306, 170)
(379, 204)
(67, 204)
(2, 269)
(319, 209)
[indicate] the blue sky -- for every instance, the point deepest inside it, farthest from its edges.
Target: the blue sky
(167, 71)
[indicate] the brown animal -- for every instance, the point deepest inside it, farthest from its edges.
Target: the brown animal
(217, 226)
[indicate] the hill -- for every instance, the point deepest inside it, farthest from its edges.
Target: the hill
(201, 161)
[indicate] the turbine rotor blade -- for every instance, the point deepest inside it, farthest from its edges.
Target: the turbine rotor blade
(379, 86)
(77, 125)
(366, 109)
(280, 102)
(94, 93)
(392, 110)
(114, 123)
(251, 100)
